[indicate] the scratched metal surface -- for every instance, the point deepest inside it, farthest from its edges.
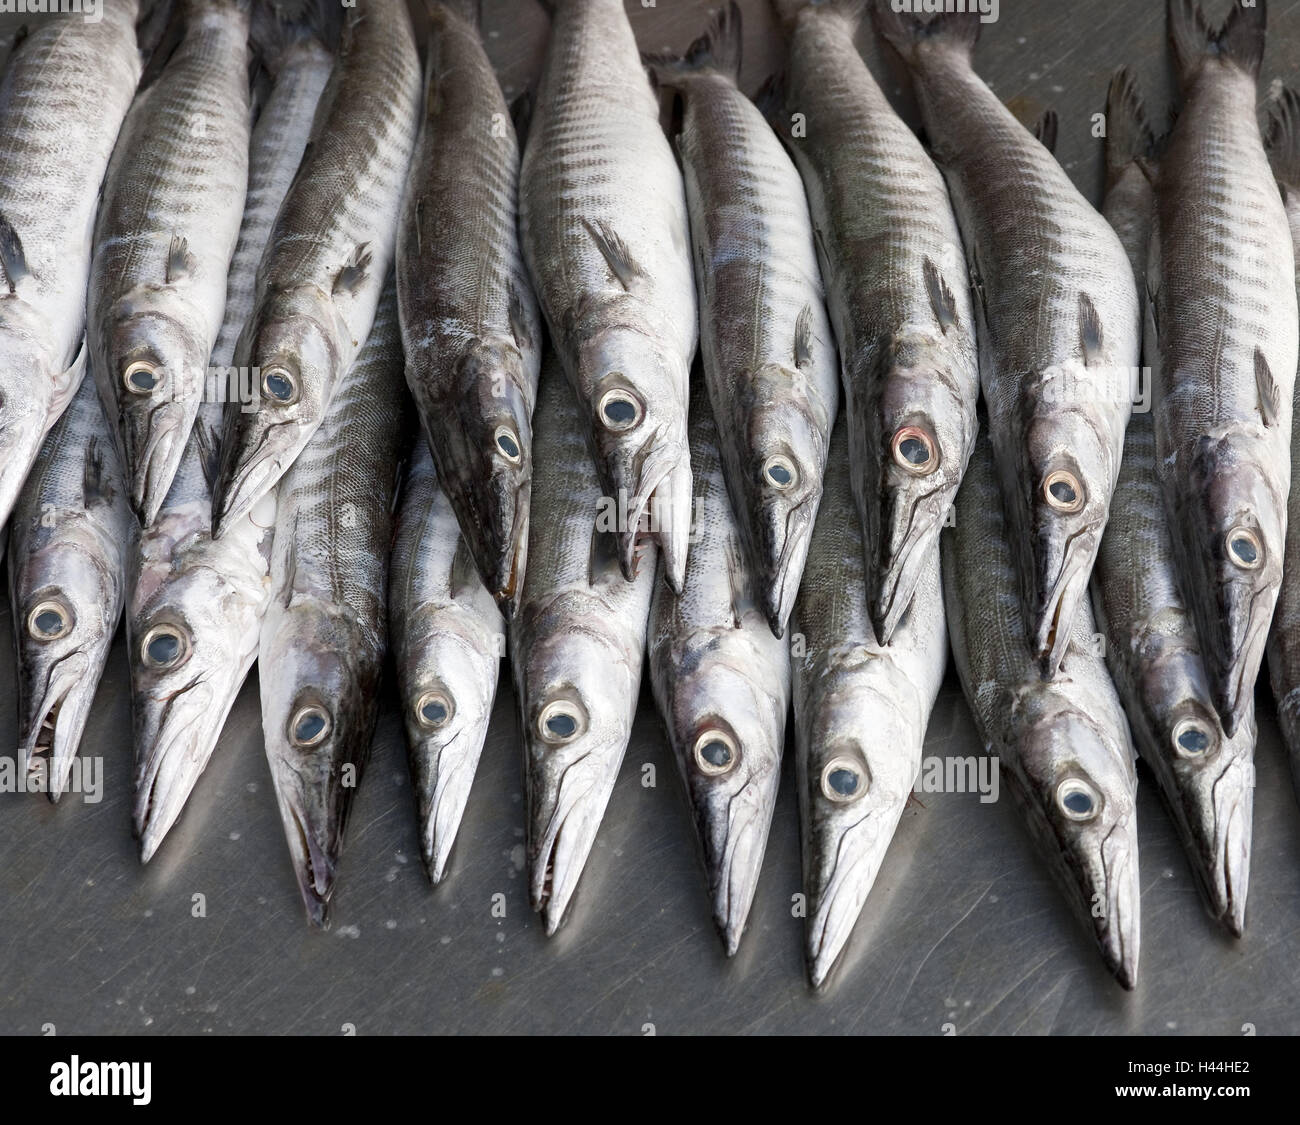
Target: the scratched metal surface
(963, 928)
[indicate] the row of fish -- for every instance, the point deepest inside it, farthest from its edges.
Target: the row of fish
(588, 494)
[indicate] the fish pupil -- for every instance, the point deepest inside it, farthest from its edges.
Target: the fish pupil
(1078, 802)
(1063, 491)
(142, 379)
(434, 712)
(164, 649)
(507, 446)
(779, 474)
(843, 781)
(1244, 549)
(1194, 741)
(620, 411)
(309, 726)
(716, 753)
(279, 387)
(914, 451)
(48, 622)
(562, 726)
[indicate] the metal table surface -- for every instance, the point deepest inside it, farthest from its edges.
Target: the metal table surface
(964, 932)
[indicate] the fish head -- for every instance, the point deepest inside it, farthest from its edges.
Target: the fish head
(1078, 794)
(486, 468)
(156, 363)
(637, 429)
(289, 344)
(784, 445)
(855, 776)
(1231, 523)
(729, 731)
(317, 719)
(577, 698)
(918, 437)
(1064, 474)
(66, 603)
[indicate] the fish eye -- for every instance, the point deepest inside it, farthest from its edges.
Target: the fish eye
(620, 409)
(508, 443)
(1192, 739)
(433, 709)
(559, 722)
(309, 726)
(1063, 492)
(141, 377)
(164, 646)
(844, 780)
(279, 383)
(914, 451)
(1077, 799)
(49, 620)
(779, 472)
(715, 753)
(1244, 548)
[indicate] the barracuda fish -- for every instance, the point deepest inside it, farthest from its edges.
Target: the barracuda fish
(64, 92)
(469, 319)
(1058, 322)
(1062, 745)
(1221, 276)
(196, 603)
(1284, 642)
(860, 712)
(329, 251)
(67, 557)
(899, 297)
(448, 638)
(769, 355)
(604, 228)
(1152, 650)
(163, 244)
(576, 647)
(325, 633)
(722, 683)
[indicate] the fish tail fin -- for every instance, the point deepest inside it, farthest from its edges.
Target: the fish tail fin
(787, 11)
(1129, 137)
(907, 33)
(1282, 138)
(278, 25)
(770, 98)
(1240, 39)
(718, 49)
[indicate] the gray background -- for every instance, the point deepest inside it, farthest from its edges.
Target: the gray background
(963, 928)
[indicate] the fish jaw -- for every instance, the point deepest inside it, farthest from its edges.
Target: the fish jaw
(1232, 605)
(568, 784)
(54, 719)
(1096, 861)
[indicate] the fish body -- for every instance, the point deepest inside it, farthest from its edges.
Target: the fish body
(64, 92)
(325, 632)
(471, 328)
(328, 253)
(1062, 745)
(1221, 275)
(1058, 323)
(860, 712)
(163, 244)
(605, 235)
(576, 645)
(67, 560)
(1152, 649)
(899, 295)
(721, 680)
(448, 638)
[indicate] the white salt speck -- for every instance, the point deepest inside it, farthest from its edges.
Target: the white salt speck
(498, 972)
(518, 831)
(234, 835)
(391, 875)
(501, 937)
(251, 786)
(950, 1003)
(189, 991)
(517, 857)
(494, 34)
(1022, 40)
(391, 924)
(148, 1020)
(1168, 873)
(1033, 76)
(1058, 89)
(1171, 1024)
(444, 940)
(350, 931)
(993, 898)
(148, 913)
(399, 857)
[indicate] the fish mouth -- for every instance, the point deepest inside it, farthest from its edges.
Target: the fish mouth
(785, 532)
(1234, 670)
(153, 469)
(54, 726)
(313, 867)
(1116, 932)
(493, 519)
(444, 775)
(662, 497)
(1051, 626)
(899, 569)
(242, 482)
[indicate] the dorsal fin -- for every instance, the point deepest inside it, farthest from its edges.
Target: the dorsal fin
(942, 301)
(615, 252)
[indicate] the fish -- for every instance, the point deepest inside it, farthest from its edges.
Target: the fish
(721, 680)
(1056, 319)
(577, 642)
(1062, 746)
(1151, 645)
(861, 709)
(448, 638)
(163, 244)
(899, 294)
(605, 234)
(1284, 639)
(1222, 309)
(769, 352)
(325, 633)
(67, 562)
(470, 323)
(328, 253)
(195, 603)
(64, 94)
